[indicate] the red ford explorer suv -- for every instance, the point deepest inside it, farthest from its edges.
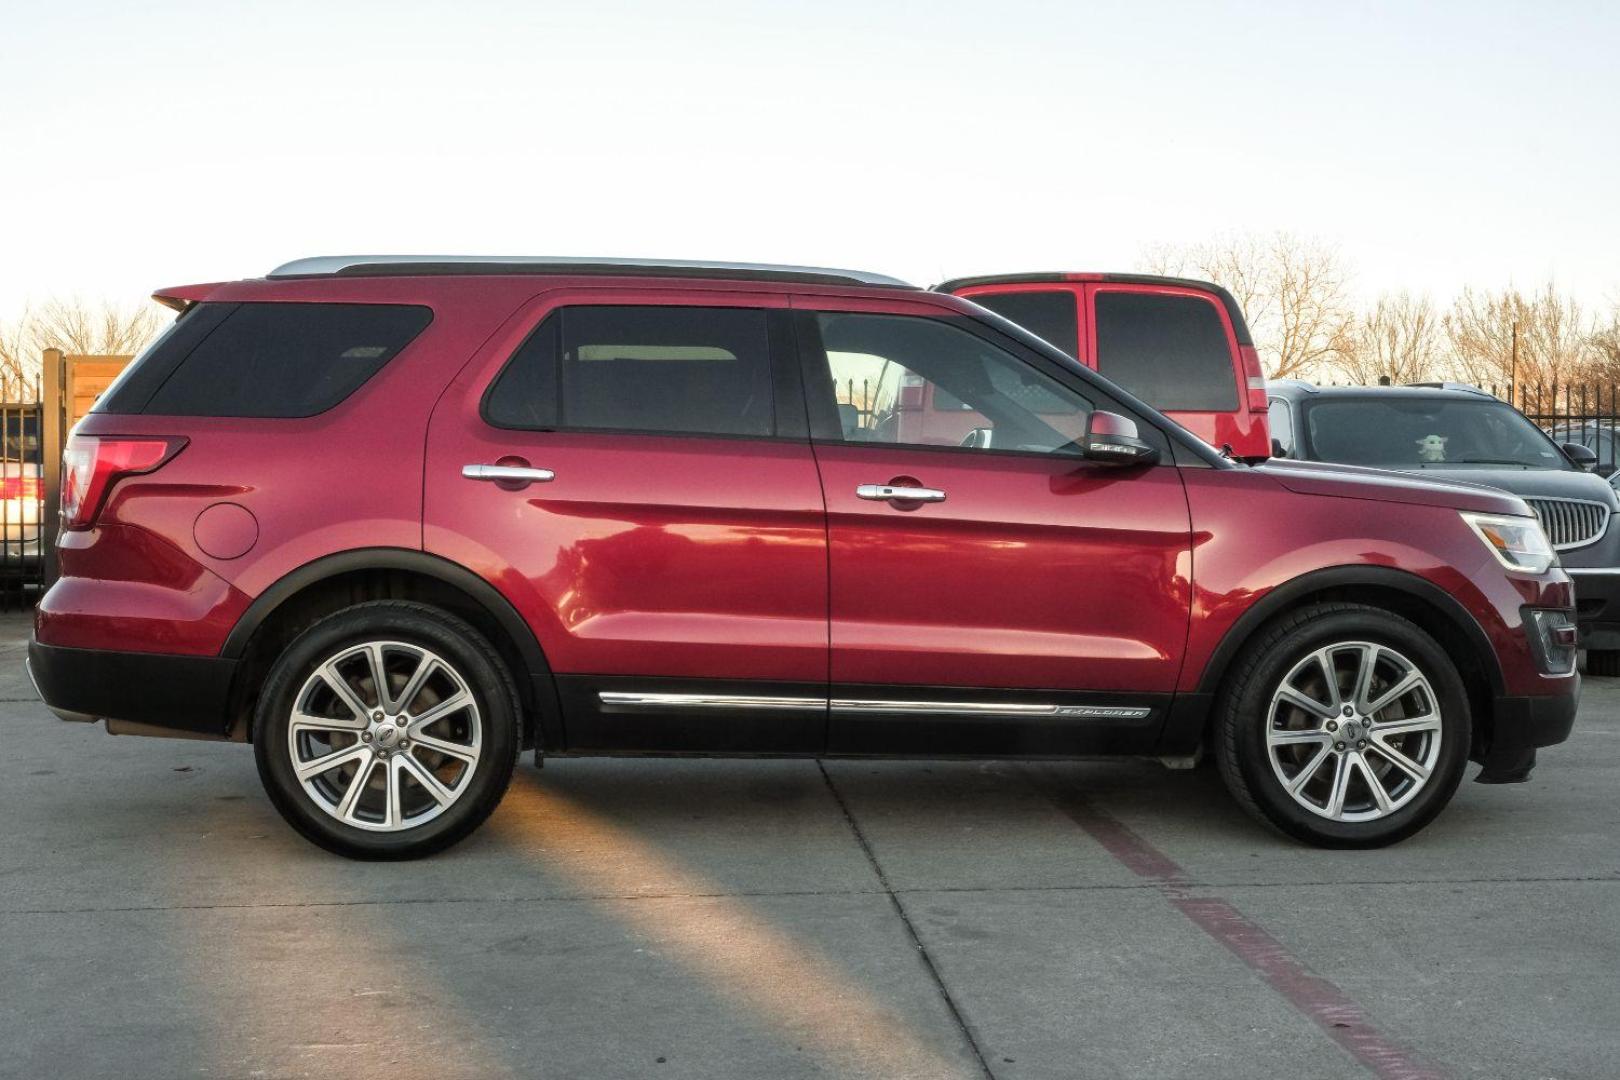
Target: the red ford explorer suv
(1180, 345)
(394, 520)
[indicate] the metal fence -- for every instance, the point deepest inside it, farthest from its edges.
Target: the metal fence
(1585, 413)
(23, 538)
(856, 396)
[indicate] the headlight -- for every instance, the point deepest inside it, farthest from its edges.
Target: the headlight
(1517, 542)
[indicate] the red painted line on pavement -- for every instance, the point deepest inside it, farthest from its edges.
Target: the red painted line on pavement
(1330, 1008)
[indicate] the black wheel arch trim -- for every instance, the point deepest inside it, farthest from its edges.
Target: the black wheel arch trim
(1291, 592)
(454, 574)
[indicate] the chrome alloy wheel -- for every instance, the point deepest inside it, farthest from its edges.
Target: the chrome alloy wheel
(384, 736)
(1353, 732)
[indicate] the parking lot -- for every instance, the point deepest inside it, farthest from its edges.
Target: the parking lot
(667, 918)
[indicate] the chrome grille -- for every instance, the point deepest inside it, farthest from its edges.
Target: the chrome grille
(1570, 523)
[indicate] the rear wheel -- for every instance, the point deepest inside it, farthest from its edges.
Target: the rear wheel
(387, 731)
(1344, 726)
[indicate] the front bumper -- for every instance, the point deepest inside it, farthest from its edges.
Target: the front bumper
(183, 694)
(1597, 605)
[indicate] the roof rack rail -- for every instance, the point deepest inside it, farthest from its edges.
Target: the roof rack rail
(434, 265)
(1467, 387)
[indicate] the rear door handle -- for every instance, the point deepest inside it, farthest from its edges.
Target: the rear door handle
(891, 493)
(508, 474)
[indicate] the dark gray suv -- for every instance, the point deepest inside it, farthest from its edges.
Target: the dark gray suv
(1458, 432)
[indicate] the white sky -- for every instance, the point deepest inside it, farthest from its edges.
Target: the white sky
(1437, 144)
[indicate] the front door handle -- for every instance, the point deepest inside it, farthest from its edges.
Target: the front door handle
(508, 474)
(893, 493)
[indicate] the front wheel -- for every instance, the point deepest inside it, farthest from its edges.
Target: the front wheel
(387, 731)
(1344, 726)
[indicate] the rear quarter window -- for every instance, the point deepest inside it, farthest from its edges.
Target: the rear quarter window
(1171, 351)
(267, 360)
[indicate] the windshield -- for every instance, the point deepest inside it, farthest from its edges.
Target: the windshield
(1425, 432)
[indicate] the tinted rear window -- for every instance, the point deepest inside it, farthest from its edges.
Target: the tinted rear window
(1170, 351)
(1050, 315)
(264, 360)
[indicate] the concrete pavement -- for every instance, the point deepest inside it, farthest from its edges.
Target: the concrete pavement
(705, 919)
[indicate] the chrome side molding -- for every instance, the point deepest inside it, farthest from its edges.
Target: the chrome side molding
(707, 701)
(990, 708)
(876, 706)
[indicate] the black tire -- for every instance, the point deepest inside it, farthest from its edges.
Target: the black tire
(474, 662)
(1603, 662)
(1243, 713)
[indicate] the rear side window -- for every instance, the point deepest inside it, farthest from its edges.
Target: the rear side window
(680, 370)
(1051, 315)
(1170, 351)
(280, 360)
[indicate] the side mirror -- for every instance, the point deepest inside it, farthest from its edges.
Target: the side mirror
(1277, 449)
(1580, 455)
(1112, 439)
(979, 438)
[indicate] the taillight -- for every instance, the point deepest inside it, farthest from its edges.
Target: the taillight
(92, 464)
(1256, 378)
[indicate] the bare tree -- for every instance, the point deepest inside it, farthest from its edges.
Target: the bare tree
(19, 363)
(1540, 339)
(104, 329)
(1293, 291)
(1400, 339)
(1605, 344)
(74, 326)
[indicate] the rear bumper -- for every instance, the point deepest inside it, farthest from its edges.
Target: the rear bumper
(183, 694)
(1521, 725)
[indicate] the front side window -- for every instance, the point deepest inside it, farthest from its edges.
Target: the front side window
(1169, 350)
(1424, 432)
(911, 381)
(1600, 440)
(652, 369)
(1282, 426)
